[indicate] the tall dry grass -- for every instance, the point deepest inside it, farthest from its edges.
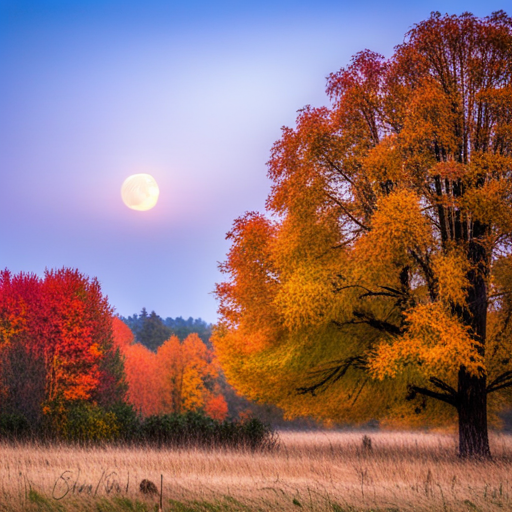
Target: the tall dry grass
(318, 471)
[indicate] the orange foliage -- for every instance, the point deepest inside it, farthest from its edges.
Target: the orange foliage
(216, 407)
(122, 334)
(178, 378)
(185, 370)
(142, 377)
(385, 271)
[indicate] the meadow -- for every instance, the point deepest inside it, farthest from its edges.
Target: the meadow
(311, 471)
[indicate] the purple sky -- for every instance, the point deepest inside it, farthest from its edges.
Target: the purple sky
(192, 92)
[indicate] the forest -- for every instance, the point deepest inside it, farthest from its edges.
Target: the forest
(71, 370)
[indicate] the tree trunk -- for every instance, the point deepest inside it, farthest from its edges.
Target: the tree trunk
(473, 433)
(472, 393)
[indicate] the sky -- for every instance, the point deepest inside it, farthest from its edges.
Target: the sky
(192, 92)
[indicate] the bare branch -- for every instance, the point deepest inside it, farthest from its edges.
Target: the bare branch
(442, 385)
(331, 375)
(380, 325)
(449, 399)
(347, 213)
(503, 381)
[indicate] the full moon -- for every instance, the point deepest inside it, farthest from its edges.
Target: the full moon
(140, 192)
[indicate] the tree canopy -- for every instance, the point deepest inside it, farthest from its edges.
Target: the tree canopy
(379, 282)
(55, 345)
(152, 331)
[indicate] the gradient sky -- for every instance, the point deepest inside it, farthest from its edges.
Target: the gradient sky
(193, 92)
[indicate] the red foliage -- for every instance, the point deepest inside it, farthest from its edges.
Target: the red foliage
(123, 336)
(216, 407)
(62, 319)
(141, 370)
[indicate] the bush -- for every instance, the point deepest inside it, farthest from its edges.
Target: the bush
(196, 429)
(128, 421)
(85, 422)
(14, 426)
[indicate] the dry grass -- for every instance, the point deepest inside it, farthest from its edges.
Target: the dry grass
(326, 471)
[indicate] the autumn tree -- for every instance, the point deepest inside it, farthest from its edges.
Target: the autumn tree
(122, 334)
(142, 377)
(181, 376)
(379, 285)
(55, 340)
(188, 371)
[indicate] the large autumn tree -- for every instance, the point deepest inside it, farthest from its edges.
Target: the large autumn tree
(379, 285)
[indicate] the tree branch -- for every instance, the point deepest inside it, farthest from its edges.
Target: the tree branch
(380, 325)
(346, 212)
(369, 293)
(442, 385)
(331, 375)
(339, 171)
(503, 381)
(449, 399)
(502, 386)
(427, 272)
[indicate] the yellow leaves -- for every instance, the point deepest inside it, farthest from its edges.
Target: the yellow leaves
(384, 161)
(397, 227)
(436, 342)
(450, 271)
(96, 351)
(491, 203)
(183, 369)
(306, 297)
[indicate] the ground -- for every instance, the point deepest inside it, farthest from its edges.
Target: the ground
(314, 471)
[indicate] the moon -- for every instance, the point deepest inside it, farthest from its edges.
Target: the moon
(140, 192)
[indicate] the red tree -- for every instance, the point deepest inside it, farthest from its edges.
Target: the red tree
(63, 321)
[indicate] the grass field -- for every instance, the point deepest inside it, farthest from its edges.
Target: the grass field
(314, 471)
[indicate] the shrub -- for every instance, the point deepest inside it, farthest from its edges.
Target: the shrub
(85, 422)
(88, 423)
(128, 421)
(14, 426)
(197, 429)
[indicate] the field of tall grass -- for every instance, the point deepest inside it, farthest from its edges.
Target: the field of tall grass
(310, 471)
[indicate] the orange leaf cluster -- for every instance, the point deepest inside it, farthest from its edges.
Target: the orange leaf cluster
(179, 377)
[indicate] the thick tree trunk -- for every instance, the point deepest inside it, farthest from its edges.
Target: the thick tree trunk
(472, 407)
(472, 393)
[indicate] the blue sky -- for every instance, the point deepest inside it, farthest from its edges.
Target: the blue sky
(195, 93)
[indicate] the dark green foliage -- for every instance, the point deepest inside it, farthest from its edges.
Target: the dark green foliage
(196, 429)
(14, 426)
(23, 395)
(85, 423)
(151, 331)
(112, 387)
(128, 421)
(182, 328)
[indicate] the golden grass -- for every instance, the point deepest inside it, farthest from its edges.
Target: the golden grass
(319, 471)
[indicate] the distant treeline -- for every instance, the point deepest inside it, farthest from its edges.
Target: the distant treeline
(152, 331)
